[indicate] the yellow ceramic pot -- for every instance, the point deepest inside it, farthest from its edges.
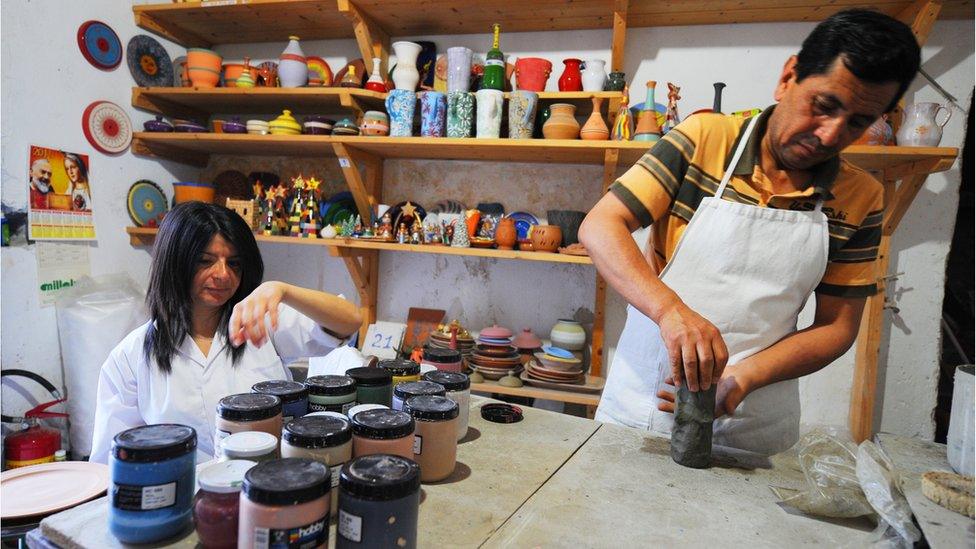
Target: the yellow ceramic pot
(285, 125)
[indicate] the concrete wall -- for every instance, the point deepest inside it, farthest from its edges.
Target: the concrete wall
(46, 84)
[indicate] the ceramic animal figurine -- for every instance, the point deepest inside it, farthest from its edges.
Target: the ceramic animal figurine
(671, 119)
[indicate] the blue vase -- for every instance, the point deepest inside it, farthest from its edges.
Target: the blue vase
(400, 106)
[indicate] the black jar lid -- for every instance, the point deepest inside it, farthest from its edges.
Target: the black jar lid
(248, 407)
(370, 377)
(400, 367)
(330, 385)
(317, 432)
(287, 391)
(403, 391)
(380, 477)
(382, 423)
(149, 443)
(452, 381)
(442, 356)
(287, 481)
(431, 408)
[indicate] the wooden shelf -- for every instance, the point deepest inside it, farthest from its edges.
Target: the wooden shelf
(196, 148)
(143, 236)
(202, 102)
(242, 21)
(528, 391)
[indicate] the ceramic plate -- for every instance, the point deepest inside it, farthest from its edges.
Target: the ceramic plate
(107, 127)
(271, 66)
(593, 384)
(523, 222)
(482, 243)
(321, 67)
(100, 45)
(49, 487)
(148, 62)
(558, 352)
(146, 203)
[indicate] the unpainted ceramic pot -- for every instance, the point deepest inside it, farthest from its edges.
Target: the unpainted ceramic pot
(505, 234)
(562, 122)
(546, 238)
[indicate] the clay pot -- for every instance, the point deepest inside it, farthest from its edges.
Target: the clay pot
(233, 71)
(571, 79)
(546, 238)
(505, 234)
(531, 73)
(562, 123)
(595, 128)
(203, 67)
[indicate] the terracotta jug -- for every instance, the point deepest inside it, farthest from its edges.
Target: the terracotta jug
(595, 128)
(505, 234)
(562, 123)
(546, 238)
(648, 129)
(572, 78)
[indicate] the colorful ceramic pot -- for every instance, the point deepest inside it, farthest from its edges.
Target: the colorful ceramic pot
(405, 74)
(375, 123)
(318, 125)
(595, 128)
(569, 222)
(572, 78)
(346, 126)
(489, 113)
(521, 114)
(919, 127)
(562, 122)
(505, 233)
(433, 114)
(616, 82)
(233, 71)
(189, 192)
(257, 127)
(648, 128)
(157, 126)
(568, 334)
(546, 238)
(460, 111)
(234, 125)
(594, 75)
(292, 65)
(285, 125)
(400, 106)
(458, 69)
(203, 67)
(532, 73)
(376, 82)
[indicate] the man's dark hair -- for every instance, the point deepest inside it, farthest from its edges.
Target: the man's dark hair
(873, 46)
(183, 236)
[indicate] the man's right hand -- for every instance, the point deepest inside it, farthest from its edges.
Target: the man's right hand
(697, 351)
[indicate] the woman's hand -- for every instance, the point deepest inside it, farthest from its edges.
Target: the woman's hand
(247, 320)
(732, 389)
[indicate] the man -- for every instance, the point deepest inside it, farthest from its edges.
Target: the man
(748, 217)
(40, 183)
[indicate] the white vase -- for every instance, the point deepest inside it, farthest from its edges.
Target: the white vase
(569, 335)
(489, 113)
(405, 75)
(594, 75)
(292, 66)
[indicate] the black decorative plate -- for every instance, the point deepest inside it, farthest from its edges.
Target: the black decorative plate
(148, 62)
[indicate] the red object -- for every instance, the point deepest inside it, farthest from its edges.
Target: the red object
(107, 127)
(217, 518)
(572, 78)
(36, 442)
(531, 73)
(376, 86)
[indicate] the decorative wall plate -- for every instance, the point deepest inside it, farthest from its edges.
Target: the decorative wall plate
(146, 203)
(107, 127)
(100, 45)
(321, 67)
(148, 62)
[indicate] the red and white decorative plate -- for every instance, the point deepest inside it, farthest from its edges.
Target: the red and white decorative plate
(107, 127)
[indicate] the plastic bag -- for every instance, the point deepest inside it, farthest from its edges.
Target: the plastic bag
(879, 483)
(93, 317)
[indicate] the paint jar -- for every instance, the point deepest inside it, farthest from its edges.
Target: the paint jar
(152, 482)
(409, 389)
(373, 385)
(382, 432)
(253, 446)
(402, 370)
(247, 412)
(458, 389)
(293, 395)
(379, 502)
(443, 359)
(217, 504)
(435, 436)
(331, 393)
(322, 438)
(285, 503)
(363, 407)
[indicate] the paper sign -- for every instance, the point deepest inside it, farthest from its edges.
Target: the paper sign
(60, 195)
(383, 339)
(59, 266)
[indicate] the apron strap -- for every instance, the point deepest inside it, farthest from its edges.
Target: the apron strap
(743, 141)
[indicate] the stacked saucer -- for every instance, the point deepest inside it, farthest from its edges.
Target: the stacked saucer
(494, 356)
(556, 365)
(439, 340)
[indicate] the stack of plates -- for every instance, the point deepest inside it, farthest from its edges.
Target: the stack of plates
(554, 358)
(536, 370)
(495, 356)
(443, 341)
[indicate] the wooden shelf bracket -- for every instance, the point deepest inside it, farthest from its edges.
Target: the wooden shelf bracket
(372, 40)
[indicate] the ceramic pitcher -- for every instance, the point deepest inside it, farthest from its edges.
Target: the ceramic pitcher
(460, 110)
(400, 105)
(433, 114)
(594, 75)
(405, 75)
(458, 69)
(489, 113)
(919, 127)
(521, 114)
(292, 66)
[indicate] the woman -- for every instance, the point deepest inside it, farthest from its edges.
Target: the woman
(214, 329)
(78, 187)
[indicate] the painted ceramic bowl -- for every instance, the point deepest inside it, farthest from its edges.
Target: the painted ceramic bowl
(257, 127)
(317, 125)
(345, 127)
(188, 192)
(375, 123)
(188, 126)
(234, 125)
(157, 125)
(546, 238)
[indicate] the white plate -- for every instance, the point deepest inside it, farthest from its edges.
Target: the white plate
(50, 487)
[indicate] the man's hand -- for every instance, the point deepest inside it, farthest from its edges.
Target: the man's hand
(732, 390)
(695, 346)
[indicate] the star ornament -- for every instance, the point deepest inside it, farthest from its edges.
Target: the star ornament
(408, 209)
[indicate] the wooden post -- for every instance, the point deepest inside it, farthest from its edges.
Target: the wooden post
(619, 35)
(372, 40)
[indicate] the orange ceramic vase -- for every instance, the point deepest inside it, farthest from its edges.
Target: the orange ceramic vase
(595, 128)
(562, 123)
(203, 67)
(546, 238)
(505, 234)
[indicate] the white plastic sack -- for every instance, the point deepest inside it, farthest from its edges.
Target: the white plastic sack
(336, 362)
(93, 317)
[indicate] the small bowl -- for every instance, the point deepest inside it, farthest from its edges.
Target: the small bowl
(234, 126)
(157, 126)
(189, 192)
(259, 127)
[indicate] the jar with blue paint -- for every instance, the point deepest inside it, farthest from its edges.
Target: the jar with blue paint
(293, 395)
(152, 482)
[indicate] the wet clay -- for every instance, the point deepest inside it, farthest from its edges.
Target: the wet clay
(691, 436)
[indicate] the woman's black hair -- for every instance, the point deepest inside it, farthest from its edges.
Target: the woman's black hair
(82, 168)
(875, 47)
(183, 236)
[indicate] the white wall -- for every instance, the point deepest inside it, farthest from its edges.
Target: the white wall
(46, 85)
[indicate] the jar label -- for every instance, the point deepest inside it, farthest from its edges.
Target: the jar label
(350, 526)
(313, 534)
(418, 444)
(341, 408)
(129, 497)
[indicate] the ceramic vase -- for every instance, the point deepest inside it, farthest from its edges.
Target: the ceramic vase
(505, 233)
(489, 113)
(292, 65)
(425, 64)
(405, 75)
(400, 106)
(203, 67)
(246, 78)
(571, 79)
(376, 82)
(546, 238)
(460, 112)
(521, 114)
(594, 75)
(433, 114)
(562, 122)
(623, 124)
(532, 73)
(648, 129)
(568, 334)
(233, 71)
(595, 128)
(879, 133)
(615, 82)
(919, 127)
(458, 69)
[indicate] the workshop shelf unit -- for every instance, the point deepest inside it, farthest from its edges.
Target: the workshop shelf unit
(371, 22)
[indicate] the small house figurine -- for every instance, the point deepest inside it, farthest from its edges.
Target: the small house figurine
(247, 210)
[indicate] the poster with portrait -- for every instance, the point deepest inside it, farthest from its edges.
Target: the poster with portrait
(59, 195)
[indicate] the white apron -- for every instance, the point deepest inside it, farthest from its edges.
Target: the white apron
(748, 270)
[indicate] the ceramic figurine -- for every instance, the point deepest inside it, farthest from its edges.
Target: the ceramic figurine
(460, 109)
(386, 227)
(416, 232)
(245, 80)
(351, 79)
(448, 234)
(594, 75)
(531, 73)
(295, 217)
(616, 82)
(489, 113)
(521, 114)
(623, 125)
(460, 239)
(562, 122)
(376, 82)
(402, 234)
(400, 105)
(648, 128)
(595, 128)
(268, 74)
(357, 226)
(458, 69)
(292, 65)
(919, 127)
(425, 64)
(494, 73)
(405, 75)
(433, 114)
(671, 118)
(571, 79)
